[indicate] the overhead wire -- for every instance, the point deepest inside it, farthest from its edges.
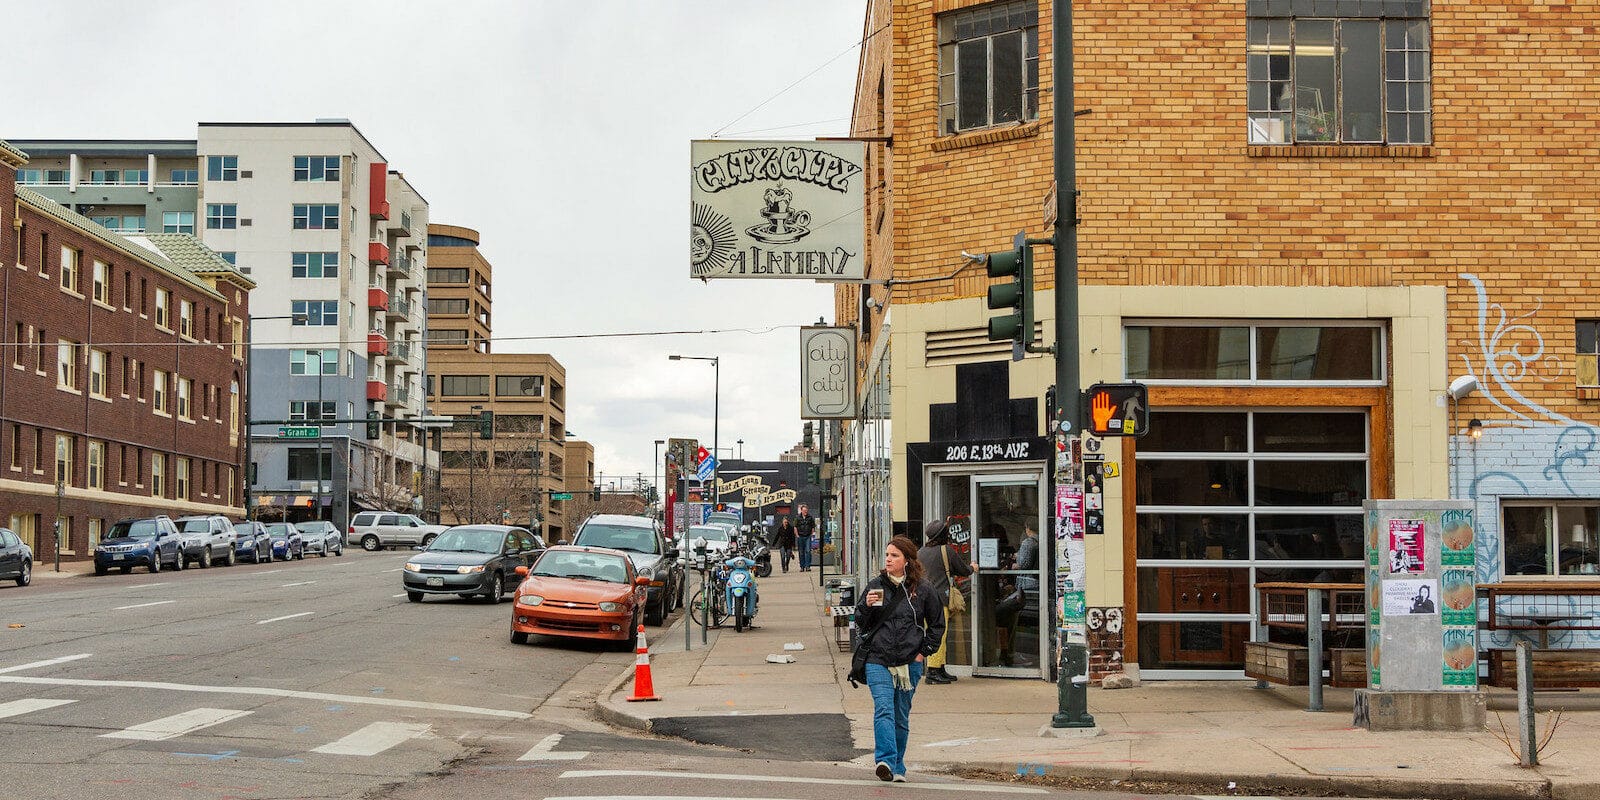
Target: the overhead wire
(799, 80)
(421, 341)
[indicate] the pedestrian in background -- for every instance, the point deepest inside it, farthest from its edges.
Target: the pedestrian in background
(905, 617)
(785, 541)
(805, 526)
(942, 564)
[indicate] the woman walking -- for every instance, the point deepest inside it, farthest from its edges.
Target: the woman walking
(785, 541)
(942, 564)
(903, 620)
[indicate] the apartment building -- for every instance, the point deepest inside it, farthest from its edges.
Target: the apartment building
(126, 361)
(513, 476)
(1302, 222)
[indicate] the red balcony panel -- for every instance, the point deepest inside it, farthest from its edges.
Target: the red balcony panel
(377, 298)
(377, 390)
(377, 253)
(377, 344)
(378, 189)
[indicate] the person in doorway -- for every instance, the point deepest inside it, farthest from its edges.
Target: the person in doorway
(935, 555)
(805, 526)
(905, 618)
(785, 542)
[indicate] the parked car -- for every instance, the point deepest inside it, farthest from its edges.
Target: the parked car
(471, 560)
(641, 538)
(321, 537)
(375, 530)
(286, 541)
(16, 558)
(718, 538)
(580, 592)
(252, 541)
(150, 542)
(206, 538)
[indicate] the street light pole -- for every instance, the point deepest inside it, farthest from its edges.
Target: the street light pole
(716, 418)
(321, 441)
(655, 464)
(472, 474)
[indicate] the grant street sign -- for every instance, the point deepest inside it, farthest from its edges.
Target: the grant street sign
(561, 496)
(298, 432)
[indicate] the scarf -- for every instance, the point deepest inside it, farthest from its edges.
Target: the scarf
(901, 673)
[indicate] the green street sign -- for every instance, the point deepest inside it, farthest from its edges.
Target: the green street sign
(298, 432)
(561, 496)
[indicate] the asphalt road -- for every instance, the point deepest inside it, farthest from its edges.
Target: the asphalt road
(318, 679)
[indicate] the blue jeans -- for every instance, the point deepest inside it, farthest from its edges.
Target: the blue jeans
(804, 543)
(891, 715)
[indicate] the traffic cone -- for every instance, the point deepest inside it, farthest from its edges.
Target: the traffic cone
(643, 687)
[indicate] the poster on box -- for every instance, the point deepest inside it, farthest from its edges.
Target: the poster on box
(1458, 593)
(1456, 544)
(1461, 656)
(1410, 597)
(1407, 555)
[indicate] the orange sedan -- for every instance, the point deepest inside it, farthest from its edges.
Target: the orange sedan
(580, 592)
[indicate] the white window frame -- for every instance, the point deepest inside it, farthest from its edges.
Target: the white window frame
(222, 168)
(158, 393)
(177, 222)
(181, 479)
(326, 214)
(67, 364)
(326, 264)
(222, 216)
(163, 309)
(99, 361)
(316, 169)
(64, 452)
(102, 283)
(185, 398)
(158, 474)
(69, 268)
(186, 319)
(97, 465)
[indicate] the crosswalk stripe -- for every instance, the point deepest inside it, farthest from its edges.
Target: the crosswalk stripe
(144, 605)
(374, 739)
(45, 663)
(543, 751)
(28, 706)
(176, 725)
(290, 616)
(746, 777)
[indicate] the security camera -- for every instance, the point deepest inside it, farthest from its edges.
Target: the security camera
(1463, 386)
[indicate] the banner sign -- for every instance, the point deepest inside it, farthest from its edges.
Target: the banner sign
(775, 209)
(827, 373)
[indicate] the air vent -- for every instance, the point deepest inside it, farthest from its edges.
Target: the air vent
(245, 223)
(967, 346)
(246, 173)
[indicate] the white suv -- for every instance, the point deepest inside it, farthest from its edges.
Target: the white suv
(375, 530)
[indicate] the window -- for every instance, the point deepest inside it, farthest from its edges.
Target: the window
(109, 177)
(177, 222)
(97, 372)
(443, 275)
(1588, 351)
(316, 168)
(1266, 353)
(303, 464)
(229, 496)
(988, 66)
(464, 385)
(222, 168)
(134, 177)
(519, 385)
(222, 216)
(233, 411)
(181, 482)
(96, 527)
(64, 450)
(306, 410)
(67, 364)
(1358, 76)
(1550, 537)
(184, 177)
(186, 318)
(447, 306)
(97, 465)
(69, 269)
(315, 312)
(158, 475)
(163, 306)
(159, 381)
(16, 447)
(316, 217)
(185, 398)
(102, 282)
(230, 256)
(38, 451)
(447, 336)
(315, 265)
(30, 177)
(304, 362)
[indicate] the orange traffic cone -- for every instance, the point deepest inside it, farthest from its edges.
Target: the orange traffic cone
(643, 687)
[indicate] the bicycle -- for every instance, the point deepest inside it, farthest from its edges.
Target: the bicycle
(718, 607)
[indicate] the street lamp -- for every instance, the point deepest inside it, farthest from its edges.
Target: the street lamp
(741, 449)
(472, 470)
(320, 417)
(716, 416)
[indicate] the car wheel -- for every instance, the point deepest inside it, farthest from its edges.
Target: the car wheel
(155, 562)
(497, 589)
(205, 558)
(654, 616)
(233, 557)
(340, 550)
(25, 577)
(300, 554)
(415, 597)
(626, 643)
(518, 637)
(180, 562)
(427, 540)
(100, 569)
(370, 543)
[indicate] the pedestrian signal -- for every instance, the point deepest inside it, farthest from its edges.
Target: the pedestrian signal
(1117, 409)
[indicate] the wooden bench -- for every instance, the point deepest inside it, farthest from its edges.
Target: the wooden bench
(1287, 664)
(1552, 669)
(1347, 667)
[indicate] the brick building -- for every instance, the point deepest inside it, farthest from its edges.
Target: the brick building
(1300, 222)
(122, 396)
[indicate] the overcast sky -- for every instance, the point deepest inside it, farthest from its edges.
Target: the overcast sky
(559, 130)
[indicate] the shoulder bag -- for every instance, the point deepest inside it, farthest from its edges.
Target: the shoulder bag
(955, 602)
(858, 659)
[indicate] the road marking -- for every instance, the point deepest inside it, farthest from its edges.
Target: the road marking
(147, 585)
(658, 797)
(49, 662)
(290, 616)
(28, 706)
(144, 605)
(301, 583)
(176, 725)
(266, 691)
(402, 594)
(268, 572)
(396, 569)
(747, 777)
(374, 739)
(543, 751)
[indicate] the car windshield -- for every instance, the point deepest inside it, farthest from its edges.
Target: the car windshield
(280, 529)
(196, 525)
(313, 527)
(582, 566)
(468, 540)
(618, 537)
(133, 529)
(711, 533)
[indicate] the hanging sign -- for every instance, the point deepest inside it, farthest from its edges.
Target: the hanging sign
(827, 373)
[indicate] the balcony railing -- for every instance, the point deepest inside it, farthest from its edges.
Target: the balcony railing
(400, 351)
(399, 308)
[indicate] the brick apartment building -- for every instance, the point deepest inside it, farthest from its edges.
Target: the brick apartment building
(1300, 222)
(120, 389)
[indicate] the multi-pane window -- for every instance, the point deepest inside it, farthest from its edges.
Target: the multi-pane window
(518, 385)
(97, 465)
(988, 66)
(304, 362)
(64, 451)
(447, 275)
(315, 312)
(96, 527)
(184, 177)
(102, 282)
(125, 223)
(1339, 71)
(446, 305)
(186, 318)
(181, 482)
(315, 265)
(1588, 351)
(1551, 537)
(303, 463)
(1254, 353)
(316, 217)
(69, 269)
(113, 177)
(185, 398)
(464, 385)
(316, 168)
(447, 336)
(158, 380)
(158, 474)
(307, 410)
(30, 177)
(163, 308)
(222, 168)
(97, 372)
(66, 364)
(233, 411)
(222, 216)
(177, 222)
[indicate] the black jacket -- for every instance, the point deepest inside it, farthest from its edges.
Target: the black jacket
(785, 537)
(915, 626)
(805, 525)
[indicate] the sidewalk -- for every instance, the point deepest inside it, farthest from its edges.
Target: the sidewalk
(45, 570)
(1185, 736)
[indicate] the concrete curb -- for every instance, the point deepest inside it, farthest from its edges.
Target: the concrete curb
(618, 716)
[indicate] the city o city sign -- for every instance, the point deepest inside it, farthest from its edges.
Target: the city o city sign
(827, 373)
(773, 209)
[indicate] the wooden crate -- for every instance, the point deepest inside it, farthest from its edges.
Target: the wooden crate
(1348, 667)
(1552, 669)
(1288, 664)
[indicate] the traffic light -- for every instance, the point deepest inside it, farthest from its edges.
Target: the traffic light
(485, 424)
(374, 427)
(1117, 409)
(1016, 264)
(806, 438)
(813, 474)
(595, 495)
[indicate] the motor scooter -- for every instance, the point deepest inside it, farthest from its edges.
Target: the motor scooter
(742, 599)
(759, 550)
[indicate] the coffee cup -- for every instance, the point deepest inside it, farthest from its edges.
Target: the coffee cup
(875, 598)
